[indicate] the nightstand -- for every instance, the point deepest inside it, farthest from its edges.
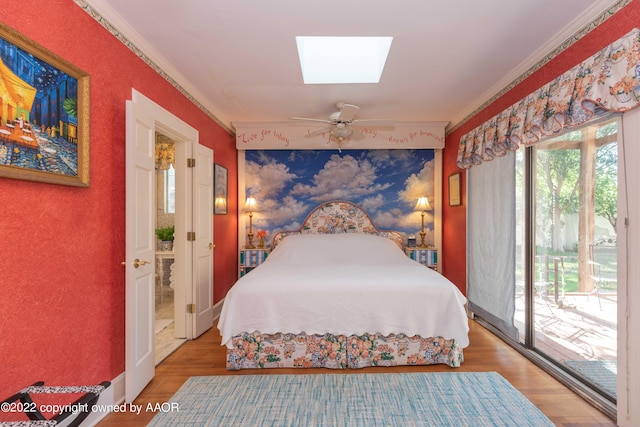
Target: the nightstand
(425, 256)
(251, 258)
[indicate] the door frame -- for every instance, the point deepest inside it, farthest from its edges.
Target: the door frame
(186, 139)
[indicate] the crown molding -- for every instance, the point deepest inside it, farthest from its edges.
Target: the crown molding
(120, 29)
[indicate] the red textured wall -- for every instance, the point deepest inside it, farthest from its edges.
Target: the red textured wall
(61, 278)
(454, 218)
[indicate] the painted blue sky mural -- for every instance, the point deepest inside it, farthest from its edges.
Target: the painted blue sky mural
(385, 183)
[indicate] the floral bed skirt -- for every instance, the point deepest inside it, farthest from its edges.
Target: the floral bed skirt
(255, 351)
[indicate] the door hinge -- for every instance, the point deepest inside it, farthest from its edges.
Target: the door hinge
(191, 236)
(191, 308)
(191, 163)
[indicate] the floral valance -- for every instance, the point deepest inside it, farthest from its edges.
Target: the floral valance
(607, 81)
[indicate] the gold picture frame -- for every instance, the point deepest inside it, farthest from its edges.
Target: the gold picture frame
(44, 129)
(455, 195)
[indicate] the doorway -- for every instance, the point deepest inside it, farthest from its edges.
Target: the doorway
(193, 243)
(166, 337)
(572, 260)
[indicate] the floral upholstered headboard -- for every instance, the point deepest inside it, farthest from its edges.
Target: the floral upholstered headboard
(339, 217)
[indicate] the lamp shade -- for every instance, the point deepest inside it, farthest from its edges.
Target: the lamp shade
(423, 204)
(220, 202)
(250, 205)
(164, 155)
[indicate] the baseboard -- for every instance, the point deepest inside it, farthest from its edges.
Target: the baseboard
(112, 396)
(217, 309)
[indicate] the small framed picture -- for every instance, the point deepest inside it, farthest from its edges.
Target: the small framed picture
(220, 186)
(454, 190)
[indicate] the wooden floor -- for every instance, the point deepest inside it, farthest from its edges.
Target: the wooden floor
(205, 356)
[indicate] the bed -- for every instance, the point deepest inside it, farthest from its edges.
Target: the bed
(340, 293)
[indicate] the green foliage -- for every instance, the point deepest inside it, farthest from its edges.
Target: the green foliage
(558, 168)
(606, 183)
(70, 106)
(558, 172)
(165, 233)
(557, 197)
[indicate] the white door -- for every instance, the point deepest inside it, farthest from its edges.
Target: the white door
(203, 244)
(140, 250)
(194, 278)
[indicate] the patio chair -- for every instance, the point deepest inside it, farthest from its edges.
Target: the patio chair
(595, 267)
(594, 272)
(542, 283)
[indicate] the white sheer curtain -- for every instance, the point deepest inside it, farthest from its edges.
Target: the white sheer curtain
(491, 243)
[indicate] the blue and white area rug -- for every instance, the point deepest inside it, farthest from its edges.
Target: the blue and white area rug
(385, 400)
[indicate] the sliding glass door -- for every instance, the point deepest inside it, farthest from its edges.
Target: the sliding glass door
(566, 258)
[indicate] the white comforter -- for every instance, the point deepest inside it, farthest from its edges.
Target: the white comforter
(343, 284)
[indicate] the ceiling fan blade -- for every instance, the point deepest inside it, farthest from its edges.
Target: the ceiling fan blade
(374, 122)
(347, 112)
(306, 119)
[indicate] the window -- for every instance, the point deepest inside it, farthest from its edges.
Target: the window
(572, 262)
(329, 60)
(170, 190)
(543, 257)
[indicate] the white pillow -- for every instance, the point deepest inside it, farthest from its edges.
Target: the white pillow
(347, 248)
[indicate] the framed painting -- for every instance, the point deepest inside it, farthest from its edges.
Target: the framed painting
(454, 190)
(44, 119)
(220, 186)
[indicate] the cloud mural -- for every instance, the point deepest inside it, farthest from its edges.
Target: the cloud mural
(385, 183)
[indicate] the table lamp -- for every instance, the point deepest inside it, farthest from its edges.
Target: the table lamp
(422, 206)
(250, 206)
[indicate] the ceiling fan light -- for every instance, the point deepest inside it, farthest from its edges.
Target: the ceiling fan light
(341, 133)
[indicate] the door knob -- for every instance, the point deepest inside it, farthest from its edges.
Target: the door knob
(210, 245)
(137, 263)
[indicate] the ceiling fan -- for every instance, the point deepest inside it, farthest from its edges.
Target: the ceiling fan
(343, 123)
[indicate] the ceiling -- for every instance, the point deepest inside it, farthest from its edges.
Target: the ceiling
(239, 60)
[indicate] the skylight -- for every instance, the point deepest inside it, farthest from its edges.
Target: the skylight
(326, 60)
